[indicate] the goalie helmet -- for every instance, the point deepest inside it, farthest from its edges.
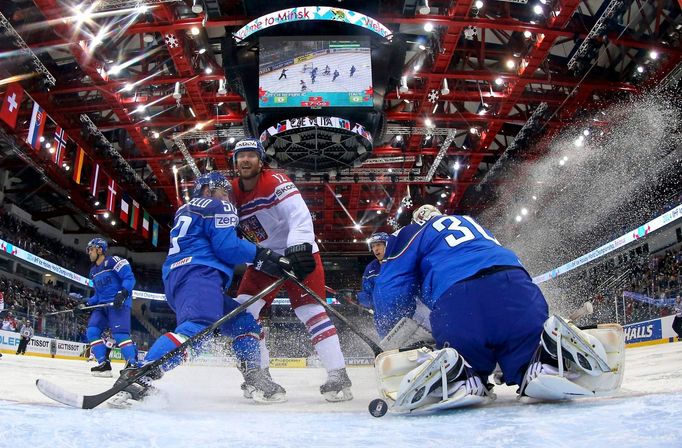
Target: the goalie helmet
(213, 180)
(97, 242)
(377, 237)
(249, 144)
(424, 213)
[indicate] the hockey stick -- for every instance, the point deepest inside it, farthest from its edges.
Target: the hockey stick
(91, 401)
(85, 308)
(373, 345)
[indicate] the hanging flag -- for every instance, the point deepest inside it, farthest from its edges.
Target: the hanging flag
(94, 182)
(59, 146)
(155, 233)
(111, 195)
(134, 215)
(125, 207)
(35, 130)
(145, 224)
(78, 165)
(10, 105)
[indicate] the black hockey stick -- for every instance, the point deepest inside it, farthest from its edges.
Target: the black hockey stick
(349, 301)
(91, 401)
(373, 345)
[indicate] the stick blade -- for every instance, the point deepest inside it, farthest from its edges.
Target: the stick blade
(59, 394)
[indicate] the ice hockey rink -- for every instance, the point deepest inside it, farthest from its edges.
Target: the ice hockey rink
(202, 406)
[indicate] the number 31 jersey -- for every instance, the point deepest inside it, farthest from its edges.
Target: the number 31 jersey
(424, 261)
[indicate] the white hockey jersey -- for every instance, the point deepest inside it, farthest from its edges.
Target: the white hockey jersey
(274, 214)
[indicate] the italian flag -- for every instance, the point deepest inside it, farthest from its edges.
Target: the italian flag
(145, 225)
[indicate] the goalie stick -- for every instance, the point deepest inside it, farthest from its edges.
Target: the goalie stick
(350, 301)
(373, 345)
(75, 400)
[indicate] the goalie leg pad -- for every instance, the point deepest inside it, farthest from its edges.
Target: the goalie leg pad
(563, 339)
(568, 380)
(436, 380)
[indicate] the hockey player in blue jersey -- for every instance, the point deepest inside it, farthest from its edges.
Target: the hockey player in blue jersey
(204, 248)
(113, 281)
(377, 245)
(485, 310)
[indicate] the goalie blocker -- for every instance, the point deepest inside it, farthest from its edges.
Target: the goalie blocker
(569, 363)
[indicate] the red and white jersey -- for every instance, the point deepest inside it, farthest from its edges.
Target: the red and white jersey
(274, 214)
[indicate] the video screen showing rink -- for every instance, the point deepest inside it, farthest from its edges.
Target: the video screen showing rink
(202, 405)
(299, 72)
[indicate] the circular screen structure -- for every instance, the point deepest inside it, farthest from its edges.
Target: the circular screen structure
(317, 143)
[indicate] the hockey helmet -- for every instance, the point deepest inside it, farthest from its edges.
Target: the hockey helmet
(97, 242)
(213, 180)
(248, 144)
(423, 385)
(377, 237)
(424, 213)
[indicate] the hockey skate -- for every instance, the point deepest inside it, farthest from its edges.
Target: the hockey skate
(572, 363)
(261, 387)
(420, 380)
(248, 391)
(136, 391)
(102, 370)
(337, 387)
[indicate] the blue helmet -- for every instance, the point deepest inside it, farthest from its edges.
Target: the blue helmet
(97, 242)
(378, 237)
(248, 144)
(214, 180)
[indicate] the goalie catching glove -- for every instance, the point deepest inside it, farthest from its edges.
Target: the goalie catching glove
(302, 260)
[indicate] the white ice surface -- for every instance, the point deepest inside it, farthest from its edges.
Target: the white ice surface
(203, 407)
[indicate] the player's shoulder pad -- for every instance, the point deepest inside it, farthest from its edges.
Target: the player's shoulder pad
(397, 243)
(279, 184)
(117, 262)
(223, 213)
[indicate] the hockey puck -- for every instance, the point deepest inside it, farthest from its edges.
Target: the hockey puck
(378, 408)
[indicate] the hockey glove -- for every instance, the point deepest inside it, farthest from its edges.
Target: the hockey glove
(270, 263)
(79, 309)
(120, 297)
(302, 260)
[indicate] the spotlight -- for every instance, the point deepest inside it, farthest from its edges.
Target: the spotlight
(499, 81)
(527, 34)
(478, 4)
(510, 64)
(195, 31)
(428, 27)
(537, 9)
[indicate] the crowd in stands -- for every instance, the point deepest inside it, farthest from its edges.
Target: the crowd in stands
(34, 303)
(26, 236)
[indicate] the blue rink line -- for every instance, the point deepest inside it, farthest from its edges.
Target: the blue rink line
(639, 421)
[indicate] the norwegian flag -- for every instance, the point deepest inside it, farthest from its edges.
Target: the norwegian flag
(111, 195)
(59, 146)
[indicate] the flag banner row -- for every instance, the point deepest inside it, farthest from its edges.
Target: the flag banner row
(68, 155)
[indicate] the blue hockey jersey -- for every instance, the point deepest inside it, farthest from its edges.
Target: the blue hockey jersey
(424, 261)
(368, 279)
(109, 278)
(204, 233)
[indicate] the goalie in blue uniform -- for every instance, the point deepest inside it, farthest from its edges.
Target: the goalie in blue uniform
(485, 310)
(204, 248)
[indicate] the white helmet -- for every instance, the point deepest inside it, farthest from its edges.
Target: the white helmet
(424, 213)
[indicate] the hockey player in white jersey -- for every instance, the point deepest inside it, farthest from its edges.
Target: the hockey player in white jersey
(484, 310)
(273, 214)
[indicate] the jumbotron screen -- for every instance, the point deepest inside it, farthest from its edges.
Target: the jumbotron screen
(299, 72)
